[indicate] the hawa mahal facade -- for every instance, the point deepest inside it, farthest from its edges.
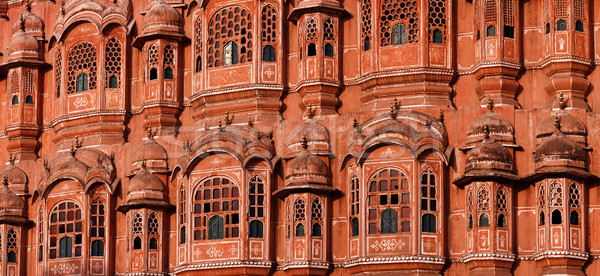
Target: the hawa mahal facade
(299, 137)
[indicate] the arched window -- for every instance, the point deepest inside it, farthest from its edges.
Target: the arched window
(65, 226)
(153, 244)
(312, 50)
(269, 53)
(579, 26)
(367, 44)
(389, 221)
(198, 64)
(66, 247)
(41, 234)
(478, 35)
(300, 230)
(137, 243)
(437, 36)
(216, 196)
(388, 192)
(428, 223)
(542, 219)
(168, 73)
(574, 219)
(182, 214)
(58, 71)
(82, 82)
(11, 257)
(12, 245)
(216, 227)
(470, 221)
(490, 31)
(182, 235)
(230, 53)
(97, 230)
(137, 230)
(256, 229)
(113, 62)
(484, 220)
(83, 68)
(399, 34)
(561, 25)
(328, 50)
(354, 204)
(547, 27)
(14, 100)
(113, 82)
(501, 221)
(153, 73)
(365, 23)
(556, 217)
(97, 248)
(299, 216)
(317, 217)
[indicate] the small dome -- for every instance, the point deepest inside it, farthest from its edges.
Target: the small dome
(500, 128)
(145, 185)
(23, 43)
(559, 150)
(151, 151)
(306, 168)
(316, 134)
(114, 9)
(32, 24)
(489, 155)
(10, 203)
(14, 175)
(570, 125)
(73, 166)
(161, 15)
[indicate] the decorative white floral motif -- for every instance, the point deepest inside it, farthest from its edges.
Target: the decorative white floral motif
(269, 72)
(561, 43)
(428, 245)
(237, 174)
(153, 261)
(97, 266)
(81, 102)
(213, 252)
(388, 152)
(470, 242)
(502, 240)
(233, 250)
(556, 238)
(316, 249)
(256, 250)
(64, 269)
(484, 240)
(388, 245)
(216, 162)
(197, 253)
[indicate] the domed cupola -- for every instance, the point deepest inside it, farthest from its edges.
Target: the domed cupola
(23, 45)
(15, 177)
(152, 153)
(559, 151)
(161, 18)
(316, 135)
(11, 205)
(570, 126)
(489, 155)
(145, 186)
(500, 129)
(33, 24)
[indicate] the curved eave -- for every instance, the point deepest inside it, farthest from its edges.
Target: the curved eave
(487, 175)
(560, 172)
(320, 7)
(145, 203)
(305, 187)
(140, 40)
(23, 62)
(19, 220)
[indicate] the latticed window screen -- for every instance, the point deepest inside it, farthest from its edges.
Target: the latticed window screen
(268, 21)
(299, 217)
(366, 26)
(113, 61)
(230, 24)
(399, 11)
(256, 208)
(502, 206)
(437, 21)
(82, 60)
(388, 195)
(97, 226)
(354, 205)
(137, 230)
(65, 222)
(216, 197)
(58, 71)
(316, 211)
(153, 230)
(12, 245)
(198, 42)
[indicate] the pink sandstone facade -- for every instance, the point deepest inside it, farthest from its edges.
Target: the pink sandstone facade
(300, 137)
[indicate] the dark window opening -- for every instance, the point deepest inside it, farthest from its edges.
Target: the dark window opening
(428, 223)
(328, 50)
(256, 229)
(97, 248)
(399, 34)
(15, 100)
(547, 27)
(153, 243)
(41, 254)
(82, 82)
(316, 230)
(137, 243)
(182, 236)
(269, 53)
(198, 64)
(28, 99)
(542, 219)
(312, 50)
(470, 222)
(478, 35)
(153, 74)
(579, 26)
(11, 257)
(501, 221)
(484, 220)
(113, 82)
(509, 31)
(65, 247)
(556, 217)
(300, 230)
(490, 31)
(561, 25)
(574, 218)
(437, 36)
(216, 227)
(168, 73)
(389, 221)
(355, 227)
(367, 44)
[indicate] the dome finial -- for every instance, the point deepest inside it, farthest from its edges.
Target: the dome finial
(250, 122)
(22, 24)
(561, 100)
(77, 142)
(144, 163)
(394, 109)
(72, 151)
(62, 7)
(10, 159)
(228, 120)
(557, 123)
(4, 181)
(149, 131)
(309, 111)
(27, 6)
(490, 104)
(304, 142)
(486, 132)
(355, 123)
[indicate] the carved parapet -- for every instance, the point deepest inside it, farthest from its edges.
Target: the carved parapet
(497, 81)
(567, 75)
